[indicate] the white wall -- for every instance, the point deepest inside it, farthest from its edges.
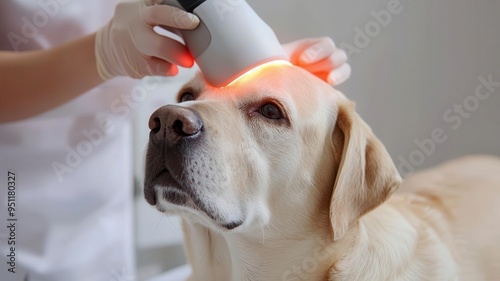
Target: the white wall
(427, 58)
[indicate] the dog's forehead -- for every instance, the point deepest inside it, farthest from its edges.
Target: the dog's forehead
(269, 77)
(291, 84)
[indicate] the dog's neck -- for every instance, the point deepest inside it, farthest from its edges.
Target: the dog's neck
(366, 251)
(218, 257)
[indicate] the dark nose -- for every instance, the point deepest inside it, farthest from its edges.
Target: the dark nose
(172, 123)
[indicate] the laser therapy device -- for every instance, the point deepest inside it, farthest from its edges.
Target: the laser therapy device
(231, 40)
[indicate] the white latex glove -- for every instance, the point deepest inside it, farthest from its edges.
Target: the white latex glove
(321, 57)
(128, 46)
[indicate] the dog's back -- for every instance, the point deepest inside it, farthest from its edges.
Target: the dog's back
(466, 191)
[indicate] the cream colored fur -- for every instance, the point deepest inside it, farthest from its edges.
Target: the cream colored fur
(315, 195)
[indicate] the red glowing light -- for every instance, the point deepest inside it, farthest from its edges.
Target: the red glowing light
(254, 71)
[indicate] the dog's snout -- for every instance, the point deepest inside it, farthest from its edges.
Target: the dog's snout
(172, 123)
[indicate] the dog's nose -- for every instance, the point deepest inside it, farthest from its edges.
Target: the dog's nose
(172, 123)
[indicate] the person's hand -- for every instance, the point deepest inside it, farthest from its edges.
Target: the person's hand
(320, 57)
(128, 45)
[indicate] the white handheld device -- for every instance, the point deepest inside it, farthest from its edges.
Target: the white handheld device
(230, 41)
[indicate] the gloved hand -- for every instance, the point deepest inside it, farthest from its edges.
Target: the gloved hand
(128, 46)
(320, 57)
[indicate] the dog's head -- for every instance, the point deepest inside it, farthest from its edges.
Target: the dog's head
(280, 149)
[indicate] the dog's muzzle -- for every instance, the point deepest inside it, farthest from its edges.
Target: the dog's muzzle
(179, 167)
(174, 132)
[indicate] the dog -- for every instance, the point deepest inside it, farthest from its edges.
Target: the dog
(277, 177)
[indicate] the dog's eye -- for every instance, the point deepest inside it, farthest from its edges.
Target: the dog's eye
(271, 111)
(186, 97)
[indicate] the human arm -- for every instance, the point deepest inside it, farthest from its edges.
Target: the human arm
(37, 81)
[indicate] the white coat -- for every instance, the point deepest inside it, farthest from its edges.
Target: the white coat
(72, 165)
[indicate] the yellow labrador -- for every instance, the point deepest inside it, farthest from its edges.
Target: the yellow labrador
(277, 178)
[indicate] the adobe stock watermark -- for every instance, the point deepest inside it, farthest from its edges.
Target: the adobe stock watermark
(121, 109)
(454, 116)
(122, 275)
(40, 19)
(303, 270)
(380, 20)
(221, 7)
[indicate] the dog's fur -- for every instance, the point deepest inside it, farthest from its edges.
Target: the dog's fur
(308, 196)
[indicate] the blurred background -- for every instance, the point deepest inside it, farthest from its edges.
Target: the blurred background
(419, 67)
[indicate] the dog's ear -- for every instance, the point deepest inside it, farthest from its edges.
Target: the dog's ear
(366, 176)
